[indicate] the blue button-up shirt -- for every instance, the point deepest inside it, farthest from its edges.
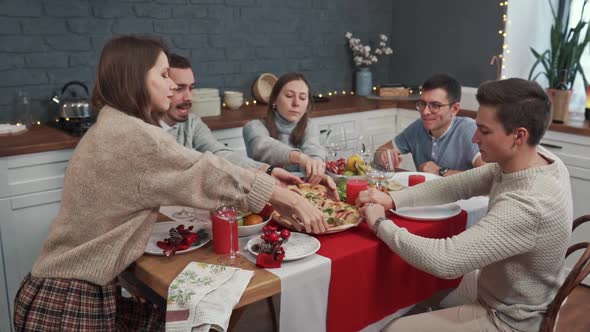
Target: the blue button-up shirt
(453, 149)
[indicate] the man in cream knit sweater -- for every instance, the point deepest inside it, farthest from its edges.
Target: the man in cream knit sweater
(520, 245)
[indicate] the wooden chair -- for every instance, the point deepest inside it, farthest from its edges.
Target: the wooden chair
(578, 273)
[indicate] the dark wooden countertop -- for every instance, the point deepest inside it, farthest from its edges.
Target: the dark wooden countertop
(45, 138)
(37, 139)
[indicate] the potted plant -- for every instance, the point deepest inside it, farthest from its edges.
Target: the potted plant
(561, 62)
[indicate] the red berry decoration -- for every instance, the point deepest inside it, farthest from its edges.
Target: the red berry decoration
(181, 238)
(271, 252)
(273, 237)
(285, 234)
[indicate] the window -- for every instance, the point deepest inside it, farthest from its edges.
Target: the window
(579, 96)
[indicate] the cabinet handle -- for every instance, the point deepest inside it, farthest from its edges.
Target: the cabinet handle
(551, 146)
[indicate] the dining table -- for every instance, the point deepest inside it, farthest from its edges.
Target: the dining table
(354, 282)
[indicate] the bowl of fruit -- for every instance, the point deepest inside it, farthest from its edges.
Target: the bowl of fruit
(251, 223)
(343, 169)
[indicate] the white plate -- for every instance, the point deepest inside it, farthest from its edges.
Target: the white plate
(402, 177)
(299, 246)
(160, 232)
(438, 212)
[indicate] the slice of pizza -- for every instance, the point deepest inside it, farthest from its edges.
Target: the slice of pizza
(339, 215)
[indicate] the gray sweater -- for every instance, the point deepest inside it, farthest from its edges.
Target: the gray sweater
(262, 147)
(195, 134)
(519, 245)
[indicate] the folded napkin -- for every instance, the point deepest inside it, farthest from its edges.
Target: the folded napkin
(203, 296)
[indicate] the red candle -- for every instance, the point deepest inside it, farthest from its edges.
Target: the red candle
(224, 226)
(353, 188)
(415, 179)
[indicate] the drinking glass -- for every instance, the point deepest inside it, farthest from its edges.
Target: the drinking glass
(184, 214)
(365, 148)
(382, 169)
(335, 142)
(225, 226)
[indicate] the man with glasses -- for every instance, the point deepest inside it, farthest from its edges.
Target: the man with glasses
(440, 142)
(190, 131)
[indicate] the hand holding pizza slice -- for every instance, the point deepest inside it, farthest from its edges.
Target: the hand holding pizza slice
(339, 215)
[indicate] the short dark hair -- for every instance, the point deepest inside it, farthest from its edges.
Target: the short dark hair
(518, 103)
(121, 72)
(445, 82)
(298, 133)
(178, 61)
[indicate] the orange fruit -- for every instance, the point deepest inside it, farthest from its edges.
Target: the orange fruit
(253, 219)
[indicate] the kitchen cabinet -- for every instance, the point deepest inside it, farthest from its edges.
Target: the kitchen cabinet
(30, 196)
(232, 138)
(574, 151)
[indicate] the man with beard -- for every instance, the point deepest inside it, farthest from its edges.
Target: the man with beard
(190, 131)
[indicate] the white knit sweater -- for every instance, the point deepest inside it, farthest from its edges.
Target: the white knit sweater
(519, 245)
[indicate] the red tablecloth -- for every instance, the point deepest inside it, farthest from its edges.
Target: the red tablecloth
(369, 282)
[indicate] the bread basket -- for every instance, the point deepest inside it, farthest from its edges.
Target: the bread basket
(263, 87)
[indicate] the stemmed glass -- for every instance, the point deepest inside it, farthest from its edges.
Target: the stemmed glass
(184, 214)
(335, 142)
(382, 168)
(365, 148)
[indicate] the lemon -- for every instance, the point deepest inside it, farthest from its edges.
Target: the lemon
(352, 160)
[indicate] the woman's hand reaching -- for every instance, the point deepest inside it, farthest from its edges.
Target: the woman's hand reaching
(298, 211)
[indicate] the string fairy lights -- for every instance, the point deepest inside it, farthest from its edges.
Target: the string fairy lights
(502, 32)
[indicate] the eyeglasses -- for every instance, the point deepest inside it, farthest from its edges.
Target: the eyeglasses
(434, 107)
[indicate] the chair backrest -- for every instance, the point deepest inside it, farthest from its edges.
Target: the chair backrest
(578, 273)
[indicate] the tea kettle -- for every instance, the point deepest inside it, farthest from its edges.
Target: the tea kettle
(73, 107)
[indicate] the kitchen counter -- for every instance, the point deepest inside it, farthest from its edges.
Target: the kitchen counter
(45, 138)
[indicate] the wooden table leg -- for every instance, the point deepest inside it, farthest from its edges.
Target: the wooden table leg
(271, 308)
(235, 317)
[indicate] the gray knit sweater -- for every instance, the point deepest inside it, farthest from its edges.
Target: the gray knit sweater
(262, 147)
(519, 245)
(195, 134)
(122, 170)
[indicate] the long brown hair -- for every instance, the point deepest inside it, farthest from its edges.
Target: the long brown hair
(121, 75)
(298, 133)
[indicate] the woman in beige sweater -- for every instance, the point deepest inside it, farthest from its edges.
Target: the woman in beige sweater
(122, 171)
(520, 245)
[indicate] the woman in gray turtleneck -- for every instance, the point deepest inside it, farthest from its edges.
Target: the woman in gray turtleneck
(287, 138)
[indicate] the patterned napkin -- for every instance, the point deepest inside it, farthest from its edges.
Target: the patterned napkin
(203, 296)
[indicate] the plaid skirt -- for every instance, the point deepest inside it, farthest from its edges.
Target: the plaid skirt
(76, 305)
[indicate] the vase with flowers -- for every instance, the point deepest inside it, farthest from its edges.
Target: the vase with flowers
(363, 57)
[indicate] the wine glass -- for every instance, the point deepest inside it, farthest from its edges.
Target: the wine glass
(185, 213)
(365, 148)
(335, 142)
(382, 167)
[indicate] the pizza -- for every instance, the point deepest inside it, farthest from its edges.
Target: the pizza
(339, 215)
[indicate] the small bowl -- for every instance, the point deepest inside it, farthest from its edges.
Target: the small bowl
(233, 99)
(252, 229)
(263, 87)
